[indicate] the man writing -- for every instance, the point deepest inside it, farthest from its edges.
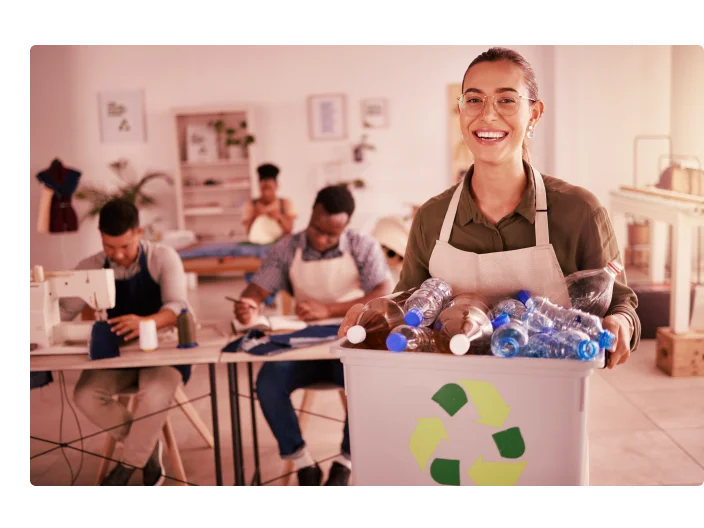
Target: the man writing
(328, 269)
(149, 281)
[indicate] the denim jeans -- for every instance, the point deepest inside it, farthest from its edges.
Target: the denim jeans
(275, 383)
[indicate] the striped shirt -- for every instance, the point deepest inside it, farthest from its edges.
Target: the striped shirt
(365, 250)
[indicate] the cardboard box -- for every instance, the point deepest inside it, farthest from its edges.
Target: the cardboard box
(680, 355)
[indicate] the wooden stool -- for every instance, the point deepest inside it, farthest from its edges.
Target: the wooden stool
(306, 405)
(128, 400)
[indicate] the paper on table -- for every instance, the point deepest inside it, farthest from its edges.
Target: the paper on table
(277, 323)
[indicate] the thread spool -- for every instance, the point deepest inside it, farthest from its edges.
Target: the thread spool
(186, 330)
(104, 343)
(148, 340)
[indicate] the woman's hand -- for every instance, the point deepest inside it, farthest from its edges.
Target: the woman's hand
(350, 320)
(618, 325)
(126, 326)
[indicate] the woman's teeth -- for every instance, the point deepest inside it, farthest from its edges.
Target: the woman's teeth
(491, 135)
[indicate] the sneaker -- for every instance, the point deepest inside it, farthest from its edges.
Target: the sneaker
(339, 475)
(119, 476)
(310, 476)
(153, 471)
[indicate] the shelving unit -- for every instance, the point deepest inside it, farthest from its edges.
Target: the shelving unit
(210, 194)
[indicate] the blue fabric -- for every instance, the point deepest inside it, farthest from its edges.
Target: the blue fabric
(104, 343)
(62, 180)
(140, 295)
(258, 343)
(225, 249)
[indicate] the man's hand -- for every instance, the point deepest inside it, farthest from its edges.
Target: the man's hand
(126, 326)
(350, 320)
(312, 310)
(246, 310)
(618, 325)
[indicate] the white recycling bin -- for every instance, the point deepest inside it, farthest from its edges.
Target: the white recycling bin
(435, 419)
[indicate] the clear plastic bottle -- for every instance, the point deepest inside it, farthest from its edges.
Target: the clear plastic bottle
(591, 290)
(543, 344)
(377, 319)
(590, 325)
(423, 307)
(461, 328)
(509, 337)
(440, 286)
(575, 344)
(535, 322)
(411, 339)
(510, 306)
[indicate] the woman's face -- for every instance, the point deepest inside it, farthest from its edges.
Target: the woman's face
(492, 137)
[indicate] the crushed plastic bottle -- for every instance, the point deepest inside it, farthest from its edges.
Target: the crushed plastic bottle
(411, 339)
(509, 306)
(423, 307)
(575, 344)
(440, 286)
(591, 290)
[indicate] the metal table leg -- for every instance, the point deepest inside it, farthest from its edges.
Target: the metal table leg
(236, 429)
(216, 426)
(253, 409)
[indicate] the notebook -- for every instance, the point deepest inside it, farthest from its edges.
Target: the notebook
(277, 323)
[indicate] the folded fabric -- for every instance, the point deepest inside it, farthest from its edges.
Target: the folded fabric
(258, 343)
(63, 181)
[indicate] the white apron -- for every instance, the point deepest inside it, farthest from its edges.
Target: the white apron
(503, 273)
(327, 280)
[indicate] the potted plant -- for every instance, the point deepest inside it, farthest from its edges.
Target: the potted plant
(128, 190)
(238, 141)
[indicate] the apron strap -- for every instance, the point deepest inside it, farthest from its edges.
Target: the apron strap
(542, 236)
(451, 212)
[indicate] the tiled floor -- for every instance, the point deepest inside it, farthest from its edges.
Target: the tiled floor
(645, 428)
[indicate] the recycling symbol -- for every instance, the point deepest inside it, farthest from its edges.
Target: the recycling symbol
(492, 412)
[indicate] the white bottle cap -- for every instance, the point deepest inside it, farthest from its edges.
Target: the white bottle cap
(356, 334)
(459, 344)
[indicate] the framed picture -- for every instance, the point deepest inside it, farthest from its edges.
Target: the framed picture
(327, 117)
(201, 144)
(121, 116)
(375, 113)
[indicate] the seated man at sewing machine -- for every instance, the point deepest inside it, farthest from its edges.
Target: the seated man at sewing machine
(149, 281)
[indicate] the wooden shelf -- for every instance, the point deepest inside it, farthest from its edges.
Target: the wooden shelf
(215, 164)
(244, 186)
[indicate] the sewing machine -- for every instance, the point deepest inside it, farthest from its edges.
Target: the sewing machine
(95, 287)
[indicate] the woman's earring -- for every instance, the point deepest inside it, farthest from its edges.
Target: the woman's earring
(529, 134)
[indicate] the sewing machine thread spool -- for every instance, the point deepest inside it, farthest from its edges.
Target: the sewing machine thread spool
(148, 340)
(104, 343)
(186, 330)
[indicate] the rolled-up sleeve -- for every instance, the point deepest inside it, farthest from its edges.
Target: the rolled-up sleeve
(170, 275)
(599, 247)
(272, 276)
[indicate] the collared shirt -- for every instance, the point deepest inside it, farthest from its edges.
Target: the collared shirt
(366, 252)
(579, 227)
(163, 264)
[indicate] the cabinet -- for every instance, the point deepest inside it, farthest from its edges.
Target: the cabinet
(214, 180)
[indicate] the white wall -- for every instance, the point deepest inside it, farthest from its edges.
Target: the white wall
(597, 99)
(687, 120)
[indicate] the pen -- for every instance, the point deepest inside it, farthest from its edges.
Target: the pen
(237, 301)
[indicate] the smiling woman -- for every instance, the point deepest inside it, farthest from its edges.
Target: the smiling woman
(505, 227)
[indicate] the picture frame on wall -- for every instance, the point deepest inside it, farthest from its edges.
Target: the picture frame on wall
(375, 113)
(327, 117)
(122, 116)
(201, 144)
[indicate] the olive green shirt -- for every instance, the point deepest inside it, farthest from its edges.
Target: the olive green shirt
(579, 226)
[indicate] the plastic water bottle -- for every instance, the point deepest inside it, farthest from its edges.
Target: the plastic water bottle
(575, 344)
(512, 307)
(543, 344)
(591, 290)
(535, 322)
(542, 305)
(459, 328)
(440, 286)
(410, 338)
(590, 325)
(377, 319)
(423, 307)
(509, 338)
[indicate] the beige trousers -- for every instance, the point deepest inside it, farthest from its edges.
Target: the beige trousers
(94, 394)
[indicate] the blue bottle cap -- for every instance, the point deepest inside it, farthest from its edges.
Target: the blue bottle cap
(607, 340)
(587, 349)
(508, 347)
(414, 317)
(523, 296)
(184, 310)
(548, 330)
(396, 342)
(500, 320)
